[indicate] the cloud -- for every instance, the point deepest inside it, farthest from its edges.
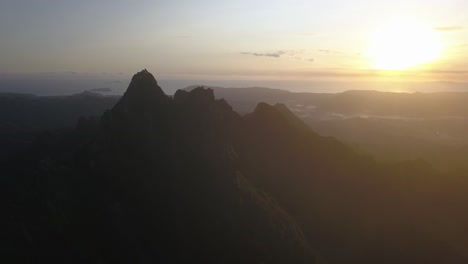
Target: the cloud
(269, 54)
(331, 51)
(448, 29)
(283, 54)
(451, 72)
(302, 59)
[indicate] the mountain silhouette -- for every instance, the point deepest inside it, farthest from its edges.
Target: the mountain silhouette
(182, 179)
(155, 180)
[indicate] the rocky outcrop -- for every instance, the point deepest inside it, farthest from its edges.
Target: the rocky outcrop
(142, 95)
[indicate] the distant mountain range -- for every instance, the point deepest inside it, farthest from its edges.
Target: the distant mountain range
(49, 84)
(390, 126)
(357, 102)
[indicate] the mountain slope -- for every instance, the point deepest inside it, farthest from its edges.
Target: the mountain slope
(352, 209)
(155, 181)
(186, 179)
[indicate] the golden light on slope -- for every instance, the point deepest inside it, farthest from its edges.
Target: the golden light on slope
(403, 45)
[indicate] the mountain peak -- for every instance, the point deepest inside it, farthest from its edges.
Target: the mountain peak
(142, 93)
(199, 95)
(263, 108)
(142, 74)
(144, 82)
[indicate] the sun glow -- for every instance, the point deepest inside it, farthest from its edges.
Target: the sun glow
(403, 45)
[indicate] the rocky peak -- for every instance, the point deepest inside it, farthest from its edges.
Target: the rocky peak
(263, 108)
(199, 95)
(268, 114)
(142, 94)
(144, 84)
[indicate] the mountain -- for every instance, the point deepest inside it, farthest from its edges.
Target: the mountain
(155, 180)
(187, 179)
(387, 125)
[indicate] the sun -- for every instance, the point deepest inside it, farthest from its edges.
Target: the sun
(403, 45)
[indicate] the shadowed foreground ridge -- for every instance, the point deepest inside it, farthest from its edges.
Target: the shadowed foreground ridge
(155, 180)
(185, 179)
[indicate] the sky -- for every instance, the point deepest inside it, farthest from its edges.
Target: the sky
(235, 40)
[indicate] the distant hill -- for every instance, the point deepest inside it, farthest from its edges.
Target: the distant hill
(398, 104)
(101, 90)
(23, 116)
